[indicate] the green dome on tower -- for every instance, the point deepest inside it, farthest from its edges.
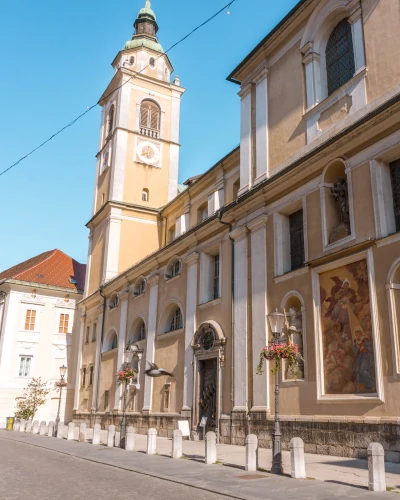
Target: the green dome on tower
(147, 11)
(146, 28)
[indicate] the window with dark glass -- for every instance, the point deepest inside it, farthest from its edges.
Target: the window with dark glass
(177, 321)
(296, 240)
(395, 180)
(340, 65)
(216, 277)
(87, 335)
(84, 377)
(91, 375)
(110, 120)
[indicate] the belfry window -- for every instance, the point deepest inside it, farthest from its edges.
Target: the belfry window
(340, 65)
(150, 118)
(110, 120)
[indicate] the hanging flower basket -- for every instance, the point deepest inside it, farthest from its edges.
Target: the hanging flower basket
(277, 352)
(60, 383)
(126, 375)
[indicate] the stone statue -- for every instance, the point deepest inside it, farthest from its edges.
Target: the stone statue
(340, 194)
(295, 334)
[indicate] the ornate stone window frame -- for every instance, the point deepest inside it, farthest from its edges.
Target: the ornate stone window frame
(313, 45)
(323, 398)
(217, 351)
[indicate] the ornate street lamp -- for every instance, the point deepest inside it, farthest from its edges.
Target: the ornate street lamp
(276, 321)
(130, 351)
(62, 383)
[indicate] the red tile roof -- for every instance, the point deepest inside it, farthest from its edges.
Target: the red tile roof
(53, 268)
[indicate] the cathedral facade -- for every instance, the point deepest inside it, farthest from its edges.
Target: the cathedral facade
(303, 217)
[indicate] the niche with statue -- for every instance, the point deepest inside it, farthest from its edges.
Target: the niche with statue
(294, 331)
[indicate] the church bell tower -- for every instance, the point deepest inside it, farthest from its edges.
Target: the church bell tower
(138, 157)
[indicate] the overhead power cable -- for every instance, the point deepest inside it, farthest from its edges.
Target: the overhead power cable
(70, 124)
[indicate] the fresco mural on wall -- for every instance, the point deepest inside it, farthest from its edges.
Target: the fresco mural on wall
(348, 350)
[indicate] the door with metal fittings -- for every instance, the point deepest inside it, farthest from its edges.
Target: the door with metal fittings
(208, 391)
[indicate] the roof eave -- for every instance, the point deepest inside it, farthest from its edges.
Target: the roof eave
(231, 77)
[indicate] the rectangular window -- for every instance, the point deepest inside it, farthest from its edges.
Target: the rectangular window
(91, 376)
(30, 319)
(296, 240)
(64, 320)
(25, 366)
(105, 400)
(395, 181)
(94, 332)
(87, 335)
(84, 377)
(216, 277)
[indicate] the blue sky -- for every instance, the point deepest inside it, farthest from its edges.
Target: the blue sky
(57, 61)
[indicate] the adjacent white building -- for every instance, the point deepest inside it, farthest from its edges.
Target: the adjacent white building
(37, 312)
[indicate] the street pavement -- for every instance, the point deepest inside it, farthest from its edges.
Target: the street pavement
(40, 467)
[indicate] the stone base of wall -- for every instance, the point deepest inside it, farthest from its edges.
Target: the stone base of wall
(342, 437)
(165, 423)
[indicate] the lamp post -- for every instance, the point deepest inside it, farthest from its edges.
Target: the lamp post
(276, 321)
(130, 351)
(63, 371)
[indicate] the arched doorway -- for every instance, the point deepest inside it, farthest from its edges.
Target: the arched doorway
(209, 354)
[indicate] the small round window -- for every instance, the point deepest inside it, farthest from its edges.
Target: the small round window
(208, 340)
(152, 62)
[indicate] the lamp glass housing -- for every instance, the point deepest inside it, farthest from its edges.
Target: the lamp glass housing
(276, 321)
(63, 371)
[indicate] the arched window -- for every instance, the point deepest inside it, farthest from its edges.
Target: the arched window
(113, 302)
(236, 187)
(138, 331)
(340, 65)
(110, 120)
(140, 286)
(145, 195)
(177, 320)
(152, 62)
(173, 268)
(111, 342)
(150, 117)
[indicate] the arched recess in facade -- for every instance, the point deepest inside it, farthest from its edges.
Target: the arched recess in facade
(294, 306)
(110, 340)
(393, 295)
(208, 346)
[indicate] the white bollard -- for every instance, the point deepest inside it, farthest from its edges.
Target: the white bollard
(251, 452)
(297, 461)
(50, 432)
(71, 432)
(35, 427)
(17, 425)
(130, 438)
(376, 467)
(43, 428)
(22, 426)
(151, 441)
(82, 433)
(111, 436)
(177, 444)
(60, 430)
(96, 434)
(211, 448)
(28, 427)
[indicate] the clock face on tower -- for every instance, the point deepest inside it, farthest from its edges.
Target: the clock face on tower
(148, 152)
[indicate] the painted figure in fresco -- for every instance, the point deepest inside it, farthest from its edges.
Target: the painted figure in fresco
(342, 298)
(364, 370)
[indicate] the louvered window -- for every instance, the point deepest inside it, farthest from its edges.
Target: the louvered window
(110, 120)
(296, 240)
(395, 180)
(150, 119)
(340, 65)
